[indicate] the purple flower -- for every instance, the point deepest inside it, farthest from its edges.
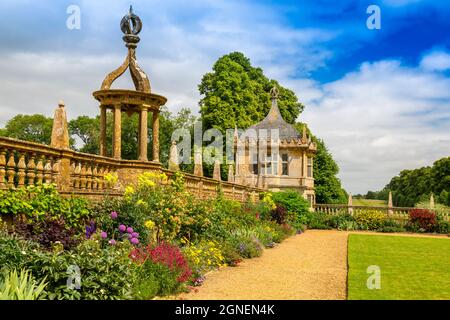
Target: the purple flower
(130, 230)
(104, 235)
(122, 228)
(134, 240)
(90, 229)
(135, 235)
(112, 242)
(130, 236)
(114, 215)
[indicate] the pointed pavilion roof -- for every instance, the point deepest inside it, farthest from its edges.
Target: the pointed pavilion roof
(274, 120)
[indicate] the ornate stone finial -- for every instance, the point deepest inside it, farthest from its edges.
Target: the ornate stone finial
(304, 135)
(274, 92)
(61, 104)
(131, 26)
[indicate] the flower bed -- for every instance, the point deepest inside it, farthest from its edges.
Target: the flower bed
(157, 240)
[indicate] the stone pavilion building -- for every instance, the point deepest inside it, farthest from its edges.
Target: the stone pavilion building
(273, 154)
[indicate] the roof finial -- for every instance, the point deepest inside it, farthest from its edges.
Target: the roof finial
(274, 92)
(131, 25)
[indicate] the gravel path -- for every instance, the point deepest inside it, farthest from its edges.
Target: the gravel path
(312, 265)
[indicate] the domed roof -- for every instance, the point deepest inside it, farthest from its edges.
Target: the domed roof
(274, 120)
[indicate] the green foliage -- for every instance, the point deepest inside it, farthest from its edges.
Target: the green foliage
(154, 279)
(413, 186)
(370, 219)
(36, 202)
(34, 128)
(327, 185)
(295, 204)
(20, 286)
(237, 94)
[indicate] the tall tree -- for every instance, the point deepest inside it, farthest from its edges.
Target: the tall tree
(237, 94)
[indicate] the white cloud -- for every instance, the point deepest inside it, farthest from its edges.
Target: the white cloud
(436, 61)
(381, 119)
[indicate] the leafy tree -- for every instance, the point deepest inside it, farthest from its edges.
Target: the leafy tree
(328, 186)
(413, 186)
(237, 94)
(34, 128)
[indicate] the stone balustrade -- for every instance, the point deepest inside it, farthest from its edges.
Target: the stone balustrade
(399, 214)
(25, 163)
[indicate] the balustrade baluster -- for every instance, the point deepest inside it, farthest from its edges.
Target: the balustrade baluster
(56, 169)
(31, 167)
(21, 170)
(83, 176)
(40, 170)
(48, 170)
(11, 169)
(100, 183)
(89, 176)
(76, 177)
(2, 168)
(95, 177)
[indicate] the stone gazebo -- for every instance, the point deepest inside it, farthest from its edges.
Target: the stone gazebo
(140, 101)
(273, 154)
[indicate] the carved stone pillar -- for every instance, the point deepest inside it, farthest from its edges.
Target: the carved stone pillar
(117, 134)
(103, 131)
(156, 136)
(143, 134)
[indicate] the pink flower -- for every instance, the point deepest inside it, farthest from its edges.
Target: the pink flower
(122, 228)
(114, 215)
(130, 230)
(135, 235)
(112, 242)
(104, 235)
(134, 240)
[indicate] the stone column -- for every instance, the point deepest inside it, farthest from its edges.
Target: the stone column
(230, 173)
(390, 205)
(103, 131)
(143, 134)
(350, 204)
(198, 163)
(173, 157)
(117, 134)
(60, 130)
(216, 172)
(156, 136)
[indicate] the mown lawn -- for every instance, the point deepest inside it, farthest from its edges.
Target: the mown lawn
(410, 267)
(369, 202)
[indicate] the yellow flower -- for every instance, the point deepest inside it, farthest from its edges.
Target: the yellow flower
(129, 190)
(140, 202)
(149, 224)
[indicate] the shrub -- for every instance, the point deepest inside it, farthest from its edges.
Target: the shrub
(47, 232)
(280, 214)
(319, 220)
(20, 286)
(296, 206)
(422, 220)
(370, 219)
(391, 225)
(41, 201)
(443, 226)
(230, 254)
(343, 221)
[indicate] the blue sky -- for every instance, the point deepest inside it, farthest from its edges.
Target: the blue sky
(379, 98)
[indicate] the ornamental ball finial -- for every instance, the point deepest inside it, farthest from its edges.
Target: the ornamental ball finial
(131, 26)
